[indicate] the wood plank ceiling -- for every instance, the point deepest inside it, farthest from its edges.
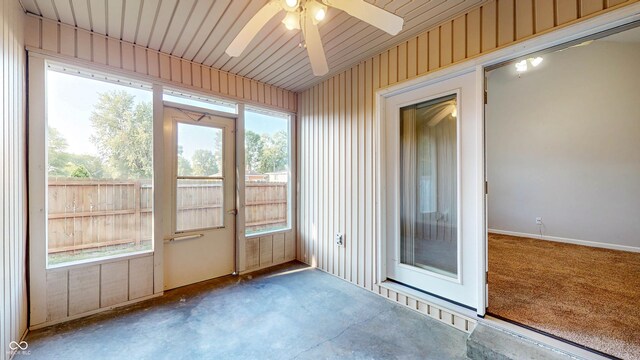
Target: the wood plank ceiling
(201, 30)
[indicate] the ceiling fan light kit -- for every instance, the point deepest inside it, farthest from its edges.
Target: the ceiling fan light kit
(317, 10)
(290, 5)
(305, 15)
(292, 20)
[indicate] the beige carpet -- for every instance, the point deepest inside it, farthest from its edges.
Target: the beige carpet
(587, 295)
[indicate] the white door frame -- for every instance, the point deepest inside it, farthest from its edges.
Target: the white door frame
(169, 205)
(459, 288)
(585, 28)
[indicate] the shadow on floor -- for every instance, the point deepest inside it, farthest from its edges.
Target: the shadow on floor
(287, 312)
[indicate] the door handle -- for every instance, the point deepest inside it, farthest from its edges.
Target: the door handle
(232, 211)
(185, 237)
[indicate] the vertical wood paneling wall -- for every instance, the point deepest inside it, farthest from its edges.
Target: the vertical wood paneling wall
(13, 308)
(336, 165)
(62, 40)
(81, 290)
(85, 289)
(269, 250)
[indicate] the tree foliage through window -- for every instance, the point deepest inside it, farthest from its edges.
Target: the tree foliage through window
(124, 134)
(266, 153)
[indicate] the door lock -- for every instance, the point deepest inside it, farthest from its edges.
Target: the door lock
(232, 211)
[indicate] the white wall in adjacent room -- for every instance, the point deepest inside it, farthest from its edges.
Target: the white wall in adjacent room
(563, 143)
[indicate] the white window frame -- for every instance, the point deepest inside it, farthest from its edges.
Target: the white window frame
(195, 100)
(38, 150)
(290, 176)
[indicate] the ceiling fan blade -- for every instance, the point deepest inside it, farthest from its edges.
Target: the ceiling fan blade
(254, 25)
(314, 46)
(368, 13)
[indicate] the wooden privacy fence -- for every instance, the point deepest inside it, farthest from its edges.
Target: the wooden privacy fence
(90, 214)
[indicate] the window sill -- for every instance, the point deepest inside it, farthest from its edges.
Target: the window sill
(99, 261)
(267, 233)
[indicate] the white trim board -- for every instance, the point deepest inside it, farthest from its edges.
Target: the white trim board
(567, 240)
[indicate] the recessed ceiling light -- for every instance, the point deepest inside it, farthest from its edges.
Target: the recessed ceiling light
(521, 66)
(535, 61)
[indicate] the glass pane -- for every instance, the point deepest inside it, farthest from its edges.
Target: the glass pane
(199, 204)
(99, 188)
(199, 150)
(201, 102)
(429, 214)
(267, 171)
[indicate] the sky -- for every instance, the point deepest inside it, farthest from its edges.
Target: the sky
(71, 98)
(70, 101)
(264, 124)
(194, 137)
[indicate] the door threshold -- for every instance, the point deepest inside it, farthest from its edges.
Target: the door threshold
(566, 346)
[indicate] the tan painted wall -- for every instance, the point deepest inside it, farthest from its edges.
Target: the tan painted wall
(12, 172)
(53, 38)
(336, 164)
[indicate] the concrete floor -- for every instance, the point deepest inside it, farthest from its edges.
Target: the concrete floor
(288, 312)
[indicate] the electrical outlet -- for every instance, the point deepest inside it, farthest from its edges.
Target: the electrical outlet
(339, 239)
(538, 221)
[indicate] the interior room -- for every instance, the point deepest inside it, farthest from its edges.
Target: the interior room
(284, 179)
(563, 145)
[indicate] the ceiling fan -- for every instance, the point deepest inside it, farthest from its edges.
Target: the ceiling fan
(305, 15)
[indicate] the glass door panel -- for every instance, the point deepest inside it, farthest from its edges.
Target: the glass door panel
(428, 186)
(200, 178)
(432, 208)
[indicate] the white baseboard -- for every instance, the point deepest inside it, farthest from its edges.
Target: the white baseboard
(568, 241)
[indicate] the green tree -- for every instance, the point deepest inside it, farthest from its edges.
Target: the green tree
(184, 165)
(80, 172)
(253, 150)
(124, 134)
(64, 164)
(204, 163)
(274, 155)
(92, 164)
(57, 155)
(217, 152)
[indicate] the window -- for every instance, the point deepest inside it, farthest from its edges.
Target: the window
(199, 192)
(99, 165)
(267, 171)
(199, 101)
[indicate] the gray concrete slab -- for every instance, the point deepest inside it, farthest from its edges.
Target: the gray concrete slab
(288, 312)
